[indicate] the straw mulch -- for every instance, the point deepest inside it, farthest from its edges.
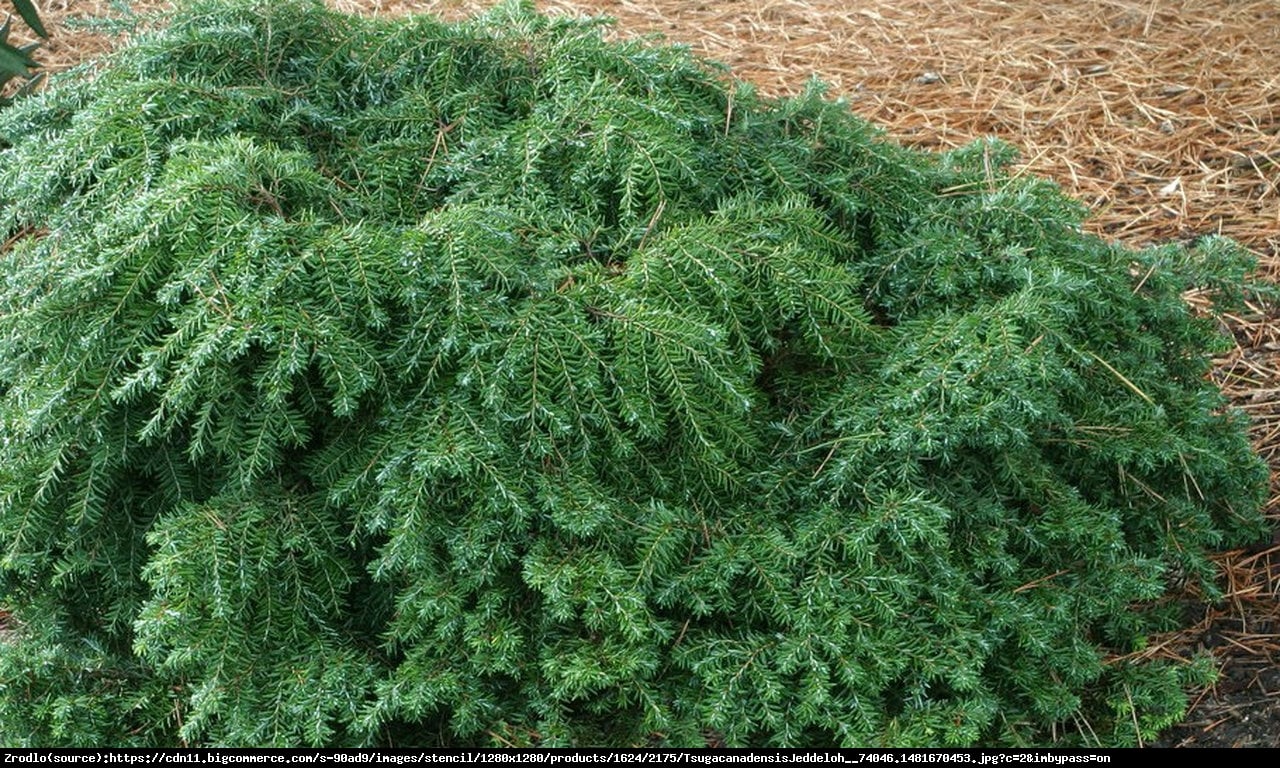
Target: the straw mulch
(1163, 115)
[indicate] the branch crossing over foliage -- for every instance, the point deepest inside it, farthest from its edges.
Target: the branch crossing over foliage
(400, 382)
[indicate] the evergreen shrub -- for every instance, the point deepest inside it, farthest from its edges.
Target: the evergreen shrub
(403, 382)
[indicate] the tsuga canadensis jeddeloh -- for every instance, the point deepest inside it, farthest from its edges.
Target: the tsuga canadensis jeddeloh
(384, 382)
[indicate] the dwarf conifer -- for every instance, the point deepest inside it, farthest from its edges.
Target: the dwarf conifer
(375, 381)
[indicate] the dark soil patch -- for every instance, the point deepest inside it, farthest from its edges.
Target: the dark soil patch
(1243, 708)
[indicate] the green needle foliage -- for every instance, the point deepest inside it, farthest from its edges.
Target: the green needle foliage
(401, 382)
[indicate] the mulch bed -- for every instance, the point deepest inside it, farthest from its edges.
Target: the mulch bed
(1162, 115)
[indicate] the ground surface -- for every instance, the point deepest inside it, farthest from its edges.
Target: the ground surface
(1163, 115)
